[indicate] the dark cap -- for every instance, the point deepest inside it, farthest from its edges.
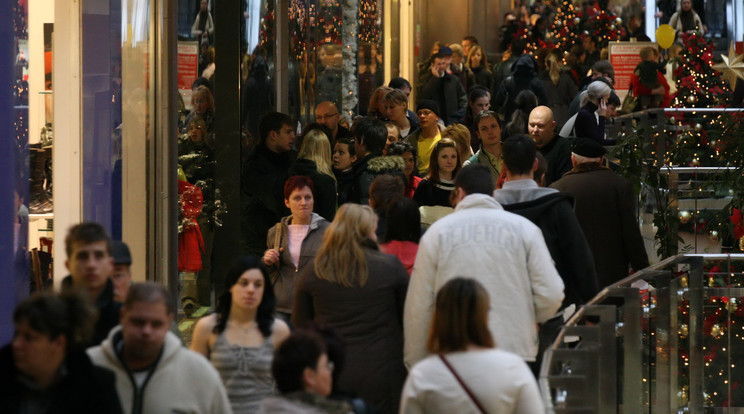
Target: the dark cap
(445, 51)
(121, 254)
(588, 148)
(428, 104)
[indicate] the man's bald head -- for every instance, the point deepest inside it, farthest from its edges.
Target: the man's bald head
(326, 113)
(541, 126)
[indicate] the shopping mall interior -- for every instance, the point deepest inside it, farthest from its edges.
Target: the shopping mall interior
(98, 94)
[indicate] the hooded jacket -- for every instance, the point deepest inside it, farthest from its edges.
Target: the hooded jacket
(284, 286)
(369, 168)
(325, 194)
(552, 212)
(523, 76)
(504, 252)
(180, 381)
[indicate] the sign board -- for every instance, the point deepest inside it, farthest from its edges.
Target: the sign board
(624, 57)
(188, 69)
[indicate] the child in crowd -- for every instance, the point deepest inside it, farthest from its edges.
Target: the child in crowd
(648, 74)
(343, 159)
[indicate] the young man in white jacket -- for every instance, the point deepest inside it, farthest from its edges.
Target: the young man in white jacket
(155, 373)
(503, 251)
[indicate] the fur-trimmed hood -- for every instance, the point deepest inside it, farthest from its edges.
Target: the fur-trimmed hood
(386, 164)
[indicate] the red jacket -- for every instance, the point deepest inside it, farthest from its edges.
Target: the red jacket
(640, 90)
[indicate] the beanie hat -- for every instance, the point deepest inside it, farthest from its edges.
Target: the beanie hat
(428, 104)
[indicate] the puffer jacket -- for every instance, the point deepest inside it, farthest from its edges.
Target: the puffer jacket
(284, 286)
(371, 167)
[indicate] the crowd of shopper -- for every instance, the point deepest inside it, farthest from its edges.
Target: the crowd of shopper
(398, 264)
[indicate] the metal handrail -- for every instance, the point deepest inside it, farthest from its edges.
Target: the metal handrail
(655, 111)
(666, 384)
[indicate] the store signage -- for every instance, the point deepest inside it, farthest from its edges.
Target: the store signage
(624, 57)
(188, 69)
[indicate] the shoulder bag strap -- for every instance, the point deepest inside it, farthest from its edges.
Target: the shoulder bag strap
(274, 275)
(463, 385)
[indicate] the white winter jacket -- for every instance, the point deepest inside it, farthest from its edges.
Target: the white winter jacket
(503, 251)
(182, 382)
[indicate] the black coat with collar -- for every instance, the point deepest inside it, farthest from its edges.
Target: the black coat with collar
(84, 388)
(262, 195)
(605, 208)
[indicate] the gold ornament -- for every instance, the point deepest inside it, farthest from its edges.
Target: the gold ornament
(732, 66)
(684, 216)
(741, 243)
(682, 397)
(716, 331)
(711, 281)
(672, 120)
(618, 21)
(683, 281)
(612, 27)
(714, 236)
(695, 162)
(577, 20)
(691, 99)
(732, 305)
(684, 330)
(698, 127)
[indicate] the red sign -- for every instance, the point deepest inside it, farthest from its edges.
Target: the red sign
(625, 56)
(188, 69)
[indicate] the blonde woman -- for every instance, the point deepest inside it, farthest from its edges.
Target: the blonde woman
(560, 88)
(314, 161)
(461, 135)
(360, 292)
(477, 61)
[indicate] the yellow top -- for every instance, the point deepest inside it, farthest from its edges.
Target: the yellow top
(425, 147)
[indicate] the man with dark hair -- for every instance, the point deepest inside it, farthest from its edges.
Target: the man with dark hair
(555, 148)
(370, 136)
(488, 130)
(503, 251)
(304, 377)
(467, 43)
(262, 180)
(402, 84)
(552, 212)
(90, 264)
(154, 371)
(444, 88)
(605, 208)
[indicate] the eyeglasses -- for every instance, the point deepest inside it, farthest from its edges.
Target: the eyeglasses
(321, 117)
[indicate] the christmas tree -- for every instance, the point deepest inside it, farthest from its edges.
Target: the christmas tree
(566, 26)
(698, 84)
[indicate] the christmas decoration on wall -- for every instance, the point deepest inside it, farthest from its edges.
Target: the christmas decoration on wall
(369, 22)
(267, 27)
(732, 66)
(349, 84)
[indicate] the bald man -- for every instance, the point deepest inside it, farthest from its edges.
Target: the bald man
(555, 148)
(327, 113)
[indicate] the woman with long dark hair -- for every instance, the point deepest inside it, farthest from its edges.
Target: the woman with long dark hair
(240, 337)
(359, 291)
(464, 357)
